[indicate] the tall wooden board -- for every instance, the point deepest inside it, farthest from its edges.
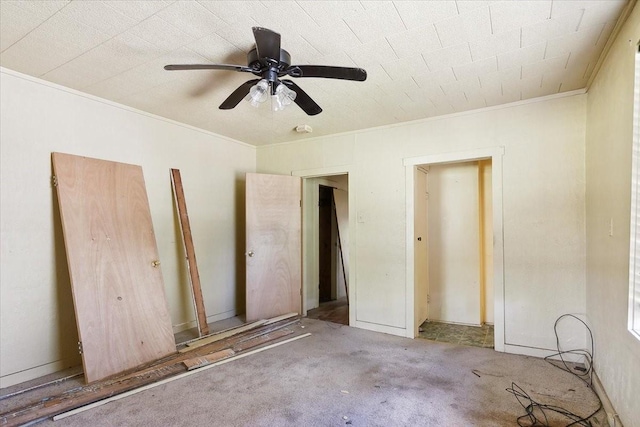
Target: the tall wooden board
(118, 292)
(274, 263)
(190, 252)
(341, 200)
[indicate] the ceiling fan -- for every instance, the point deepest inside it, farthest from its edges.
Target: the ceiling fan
(269, 62)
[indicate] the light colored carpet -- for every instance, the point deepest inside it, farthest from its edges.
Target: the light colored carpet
(342, 376)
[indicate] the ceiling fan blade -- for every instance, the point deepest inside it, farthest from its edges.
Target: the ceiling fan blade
(303, 100)
(267, 43)
(327, 72)
(238, 95)
(228, 67)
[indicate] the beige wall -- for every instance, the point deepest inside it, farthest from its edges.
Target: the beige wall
(543, 195)
(37, 324)
(608, 198)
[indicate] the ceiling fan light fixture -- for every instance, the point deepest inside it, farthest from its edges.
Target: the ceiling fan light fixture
(258, 93)
(282, 97)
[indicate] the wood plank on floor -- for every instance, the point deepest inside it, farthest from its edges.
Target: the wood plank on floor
(222, 335)
(158, 371)
(200, 361)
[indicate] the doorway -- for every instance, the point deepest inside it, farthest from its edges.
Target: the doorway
(459, 257)
(327, 241)
(456, 298)
(327, 230)
(488, 235)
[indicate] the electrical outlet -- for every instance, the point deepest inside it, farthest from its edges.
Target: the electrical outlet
(610, 227)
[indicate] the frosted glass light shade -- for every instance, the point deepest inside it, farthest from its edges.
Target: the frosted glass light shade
(258, 93)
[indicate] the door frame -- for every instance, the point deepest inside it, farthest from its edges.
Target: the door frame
(309, 262)
(425, 171)
(495, 154)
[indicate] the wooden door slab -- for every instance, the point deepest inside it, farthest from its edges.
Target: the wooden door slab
(274, 245)
(118, 292)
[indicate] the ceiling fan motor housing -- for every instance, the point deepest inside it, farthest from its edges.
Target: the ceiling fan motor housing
(268, 68)
(259, 64)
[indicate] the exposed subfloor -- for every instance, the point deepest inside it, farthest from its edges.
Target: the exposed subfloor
(476, 336)
(333, 311)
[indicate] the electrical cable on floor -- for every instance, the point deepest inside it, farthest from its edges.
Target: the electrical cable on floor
(535, 411)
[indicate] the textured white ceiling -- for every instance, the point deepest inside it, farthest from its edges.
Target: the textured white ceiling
(423, 58)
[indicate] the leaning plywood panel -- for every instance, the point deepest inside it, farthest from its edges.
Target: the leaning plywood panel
(118, 292)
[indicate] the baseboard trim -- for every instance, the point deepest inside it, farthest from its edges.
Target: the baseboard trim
(540, 352)
(37, 372)
(392, 330)
(210, 319)
(612, 415)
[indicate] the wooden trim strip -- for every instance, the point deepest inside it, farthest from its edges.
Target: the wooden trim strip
(254, 342)
(187, 241)
(187, 342)
(222, 335)
(199, 362)
(279, 318)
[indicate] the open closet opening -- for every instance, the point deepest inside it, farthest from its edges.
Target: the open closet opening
(328, 291)
(453, 256)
